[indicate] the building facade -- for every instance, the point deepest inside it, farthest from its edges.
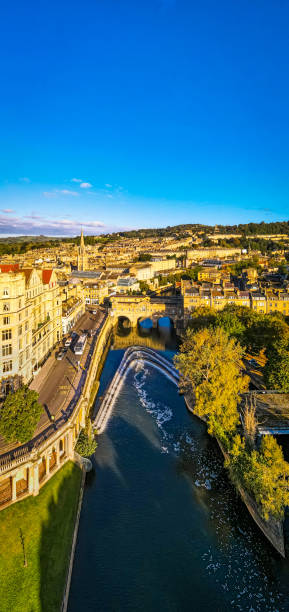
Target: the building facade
(30, 321)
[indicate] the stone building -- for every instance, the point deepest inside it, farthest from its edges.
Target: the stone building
(30, 321)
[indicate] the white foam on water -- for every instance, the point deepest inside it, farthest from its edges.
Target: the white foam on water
(159, 411)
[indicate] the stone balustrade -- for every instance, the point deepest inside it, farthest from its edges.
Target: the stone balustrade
(24, 470)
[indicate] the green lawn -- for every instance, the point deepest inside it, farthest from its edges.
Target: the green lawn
(47, 523)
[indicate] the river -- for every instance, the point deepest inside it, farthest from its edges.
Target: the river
(161, 528)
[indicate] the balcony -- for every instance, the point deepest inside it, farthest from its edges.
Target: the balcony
(41, 324)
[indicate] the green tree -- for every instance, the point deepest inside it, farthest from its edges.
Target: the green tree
(276, 371)
(143, 285)
(210, 366)
(270, 332)
(86, 444)
(230, 323)
(238, 461)
(202, 316)
(19, 415)
(266, 476)
(145, 257)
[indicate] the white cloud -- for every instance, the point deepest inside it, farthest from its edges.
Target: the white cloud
(49, 194)
(25, 179)
(36, 224)
(68, 192)
(108, 185)
(53, 194)
(7, 210)
(85, 185)
(75, 180)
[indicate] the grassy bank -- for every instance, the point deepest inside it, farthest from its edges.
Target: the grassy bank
(38, 529)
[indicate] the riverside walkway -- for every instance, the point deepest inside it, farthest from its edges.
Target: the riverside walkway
(132, 356)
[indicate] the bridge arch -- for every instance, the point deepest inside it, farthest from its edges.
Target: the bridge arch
(145, 322)
(124, 325)
(165, 320)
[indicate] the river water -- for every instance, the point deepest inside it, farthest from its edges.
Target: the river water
(161, 528)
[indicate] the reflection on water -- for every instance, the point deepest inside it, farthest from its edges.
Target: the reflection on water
(162, 337)
(161, 526)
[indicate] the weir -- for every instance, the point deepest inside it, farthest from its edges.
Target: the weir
(132, 356)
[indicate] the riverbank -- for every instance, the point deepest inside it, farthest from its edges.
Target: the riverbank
(37, 533)
(272, 529)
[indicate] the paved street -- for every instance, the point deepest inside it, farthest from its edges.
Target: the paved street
(59, 382)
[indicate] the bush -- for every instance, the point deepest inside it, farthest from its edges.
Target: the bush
(86, 444)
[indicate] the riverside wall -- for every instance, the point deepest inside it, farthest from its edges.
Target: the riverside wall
(25, 469)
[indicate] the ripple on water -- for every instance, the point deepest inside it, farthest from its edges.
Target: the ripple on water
(238, 563)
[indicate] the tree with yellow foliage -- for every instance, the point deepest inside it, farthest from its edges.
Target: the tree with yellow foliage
(267, 477)
(209, 363)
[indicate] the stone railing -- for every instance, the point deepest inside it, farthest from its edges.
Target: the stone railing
(34, 463)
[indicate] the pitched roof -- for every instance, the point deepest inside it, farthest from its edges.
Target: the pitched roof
(9, 267)
(46, 276)
(27, 273)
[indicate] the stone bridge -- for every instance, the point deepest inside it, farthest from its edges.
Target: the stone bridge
(137, 308)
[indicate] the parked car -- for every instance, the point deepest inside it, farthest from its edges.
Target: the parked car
(254, 363)
(60, 355)
(68, 341)
(94, 312)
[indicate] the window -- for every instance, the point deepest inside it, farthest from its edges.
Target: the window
(6, 350)
(7, 366)
(20, 344)
(19, 330)
(6, 307)
(6, 291)
(26, 325)
(6, 320)
(20, 316)
(20, 303)
(6, 335)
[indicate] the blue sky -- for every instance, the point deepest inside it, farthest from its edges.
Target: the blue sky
(122, 114)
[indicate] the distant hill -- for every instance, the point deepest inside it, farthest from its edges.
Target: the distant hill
(247, 229)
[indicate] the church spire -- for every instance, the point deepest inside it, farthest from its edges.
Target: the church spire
(81, 257)
(81, 240)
